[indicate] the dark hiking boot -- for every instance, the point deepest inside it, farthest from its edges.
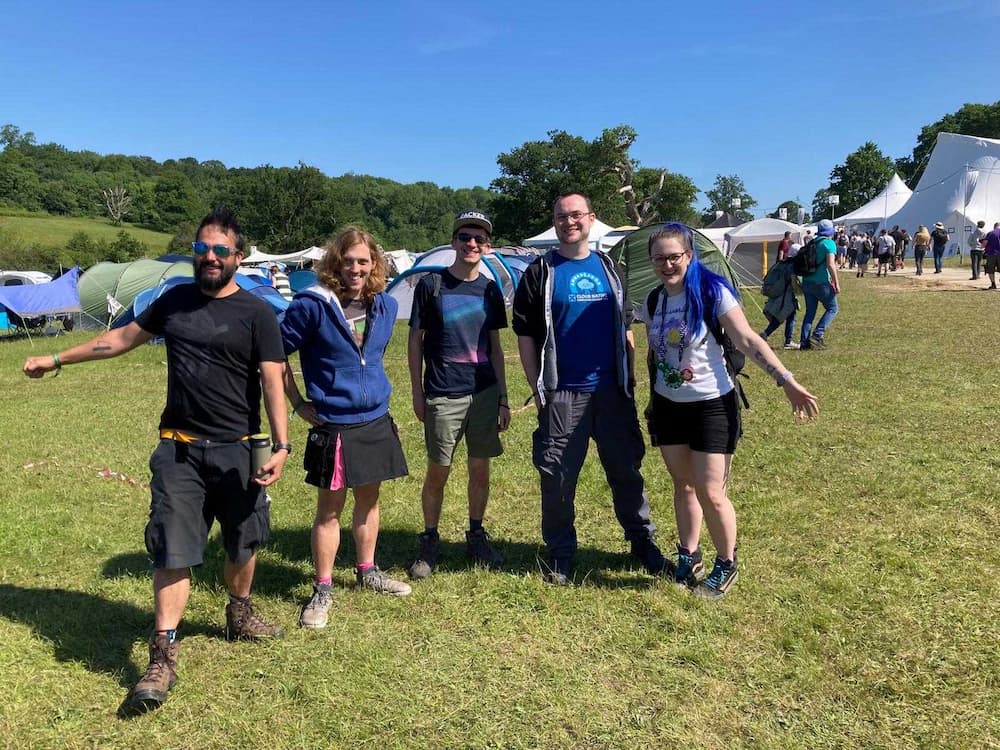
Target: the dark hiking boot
(690, 570)
(558, 571)
(651, 558)
(151, 690)
(479, 549)
(243, 623)
(818, 342)
(427, 557)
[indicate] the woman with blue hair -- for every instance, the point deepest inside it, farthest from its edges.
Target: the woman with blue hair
(694, 415)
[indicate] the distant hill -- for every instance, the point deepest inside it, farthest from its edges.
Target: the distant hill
(55, 231)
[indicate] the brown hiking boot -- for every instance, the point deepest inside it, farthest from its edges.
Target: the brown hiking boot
(242, 622)
(161, 674)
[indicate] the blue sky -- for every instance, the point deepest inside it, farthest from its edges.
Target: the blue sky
(777, 93)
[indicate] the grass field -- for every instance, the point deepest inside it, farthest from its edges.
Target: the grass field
(865, 615)
(56, 231)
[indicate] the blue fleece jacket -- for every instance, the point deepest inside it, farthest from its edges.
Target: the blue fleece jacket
(346, 383)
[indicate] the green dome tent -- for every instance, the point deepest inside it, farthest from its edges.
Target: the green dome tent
(108, 287)
(632, 253)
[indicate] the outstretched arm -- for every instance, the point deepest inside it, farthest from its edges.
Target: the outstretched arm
(103, 346)
(804, 404)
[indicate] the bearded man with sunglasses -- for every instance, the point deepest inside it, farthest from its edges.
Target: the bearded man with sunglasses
(459, 385)
(223, 350)
(571, 316)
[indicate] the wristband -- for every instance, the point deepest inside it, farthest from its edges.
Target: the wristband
(784, 378)
(55, 358)
(287, 447)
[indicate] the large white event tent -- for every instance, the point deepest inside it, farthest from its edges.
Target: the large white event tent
(868, 217)
(960, 186)
(598, 231)
(745, 246)
(258, 258)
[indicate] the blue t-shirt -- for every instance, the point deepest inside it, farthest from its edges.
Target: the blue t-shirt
(457, 324)
(583, 313)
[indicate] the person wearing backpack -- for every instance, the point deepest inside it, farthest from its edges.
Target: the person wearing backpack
(692, 319)
(779, 285)
(819, 286)
(921, 243)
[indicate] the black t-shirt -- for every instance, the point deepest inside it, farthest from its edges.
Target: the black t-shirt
(457, 324)
(214, 347)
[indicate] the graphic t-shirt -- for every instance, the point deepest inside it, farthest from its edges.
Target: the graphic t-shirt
(457, 324)
(214, 348)
(356, 313)
(689, 365)
(583, 316)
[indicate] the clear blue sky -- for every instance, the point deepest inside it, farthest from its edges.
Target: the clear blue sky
(777, 93)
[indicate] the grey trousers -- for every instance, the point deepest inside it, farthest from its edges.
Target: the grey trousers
(566, 424)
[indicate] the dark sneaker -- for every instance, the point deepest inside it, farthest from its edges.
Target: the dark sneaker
(317, 610)
(427, 558)
(243, 623)
(651, 558)
(719, 580)
(378, 582)
(690, 570)
(818, 342)
(558, 571)
(479, 549)
(151, 690)
(805, 347)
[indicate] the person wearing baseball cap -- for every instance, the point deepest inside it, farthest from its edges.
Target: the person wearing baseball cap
(820, 287)
(459, 385)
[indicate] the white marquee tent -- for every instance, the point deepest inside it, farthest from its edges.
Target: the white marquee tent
(598, 230)
(960, 186)
(746, 246)
(310, 253)
(868, 217)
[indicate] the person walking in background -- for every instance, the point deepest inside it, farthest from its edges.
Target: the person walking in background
(864, 254)
(223, 354)
(783, 246)
(778, 286)
(884, 249)
(571, 317)
(455, 328)
(694, 415)
(279, 280)
(341, 327)
(991, 254)
(921, 244)
(939, 238)
(976, 239)
(901, 245)
(820, 287)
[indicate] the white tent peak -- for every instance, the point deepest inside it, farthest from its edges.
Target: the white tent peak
(893, 197)
(548, 238)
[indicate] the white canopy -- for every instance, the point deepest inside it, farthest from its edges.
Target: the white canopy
(892, 198)
(960, 186)
(311, 253)
(744, 246)
(548, 238)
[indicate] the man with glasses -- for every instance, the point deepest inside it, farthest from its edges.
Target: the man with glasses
(571, 317)
(459, 384)
(223, 350)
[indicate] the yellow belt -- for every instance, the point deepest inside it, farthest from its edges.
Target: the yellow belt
(183, 437)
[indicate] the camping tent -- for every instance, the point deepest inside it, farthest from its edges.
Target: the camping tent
(724, 220)
(548, 238)
(868, 217)
(746, 246)
(960, 186)
(493, 266)
(632, 253)
(59, 297)
(106, 288)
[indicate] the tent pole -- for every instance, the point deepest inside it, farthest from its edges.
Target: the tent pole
(763, 260)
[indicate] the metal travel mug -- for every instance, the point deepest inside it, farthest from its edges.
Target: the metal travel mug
(260, 452)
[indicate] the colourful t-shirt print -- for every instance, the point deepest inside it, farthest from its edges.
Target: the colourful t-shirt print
(583, 313)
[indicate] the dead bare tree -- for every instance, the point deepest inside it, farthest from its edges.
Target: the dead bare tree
(641, 209)
(118, 202)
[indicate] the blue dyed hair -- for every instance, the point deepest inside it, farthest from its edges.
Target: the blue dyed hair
(702, 286)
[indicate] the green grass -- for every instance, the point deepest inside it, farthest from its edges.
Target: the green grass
(55, 231)
(865, 615)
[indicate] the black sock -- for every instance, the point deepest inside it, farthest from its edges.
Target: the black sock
(431, 531)
(241, 599)
(475, 525)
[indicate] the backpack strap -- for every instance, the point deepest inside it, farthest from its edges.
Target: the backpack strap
(652, 300)
(726, 343)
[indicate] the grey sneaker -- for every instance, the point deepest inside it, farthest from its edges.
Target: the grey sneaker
(317, 610)
(558, 571)
(375, 580)
(479, 549)
(427, 557)
(818, 342)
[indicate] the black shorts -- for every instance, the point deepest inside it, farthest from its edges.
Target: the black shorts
(194, 485)
(884, 257)
(992, 263)
(711, 426)
(353, 455)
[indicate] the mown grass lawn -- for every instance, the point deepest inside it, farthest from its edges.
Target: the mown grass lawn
(865, 615)
(56, 231)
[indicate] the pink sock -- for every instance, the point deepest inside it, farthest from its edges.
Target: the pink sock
(364, 567)
(323, 581)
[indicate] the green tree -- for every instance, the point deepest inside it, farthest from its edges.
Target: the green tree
(726, 189)
(981, 120)
(126, 248)
(860, 178)
(176, 200)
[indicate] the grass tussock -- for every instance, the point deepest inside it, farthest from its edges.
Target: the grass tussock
(865, 614)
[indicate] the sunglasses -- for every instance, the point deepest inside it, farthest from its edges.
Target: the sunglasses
(221, 251)
(466, 237)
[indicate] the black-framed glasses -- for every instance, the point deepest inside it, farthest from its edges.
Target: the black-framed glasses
(221, 251)
(480, 239)
(573, 215)
(662, 260)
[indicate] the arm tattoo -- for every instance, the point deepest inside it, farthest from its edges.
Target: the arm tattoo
(102, 348)
(769, 369)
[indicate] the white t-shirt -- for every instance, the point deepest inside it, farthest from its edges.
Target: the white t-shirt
(690, 365)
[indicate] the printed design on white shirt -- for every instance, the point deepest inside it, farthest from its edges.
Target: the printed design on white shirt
(673, 334)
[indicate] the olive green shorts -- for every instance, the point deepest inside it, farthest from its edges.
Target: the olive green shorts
(447, 419)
